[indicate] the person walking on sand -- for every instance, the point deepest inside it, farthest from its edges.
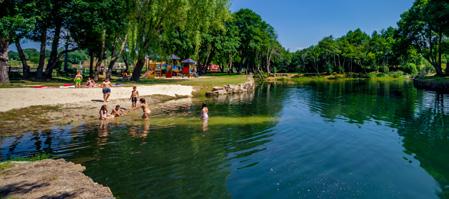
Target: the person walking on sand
(104, 114)
(78, 79)
(145, 108)
(134, 97)
(204, 112)
(106, 89)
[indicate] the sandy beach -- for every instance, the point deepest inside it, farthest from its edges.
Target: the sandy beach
(16, 98)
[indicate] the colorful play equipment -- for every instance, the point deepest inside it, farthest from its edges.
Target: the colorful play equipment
(185, 68)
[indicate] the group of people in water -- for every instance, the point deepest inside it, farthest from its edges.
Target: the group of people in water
(118, 111)
(137, 102)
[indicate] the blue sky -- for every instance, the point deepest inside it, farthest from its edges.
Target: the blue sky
(302, 23)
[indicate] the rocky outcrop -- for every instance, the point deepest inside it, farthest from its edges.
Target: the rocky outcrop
(48, 179)
(248, 86)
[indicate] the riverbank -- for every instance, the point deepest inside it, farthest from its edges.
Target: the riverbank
(439, 84)
(32, 109)
(297, 78)
(16, 98)
(48, 179)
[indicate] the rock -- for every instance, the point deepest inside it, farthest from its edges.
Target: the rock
(221, 92)
(216, 88)
(49, 179)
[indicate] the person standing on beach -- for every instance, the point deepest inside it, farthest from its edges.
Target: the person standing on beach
(106, 89)
(78, 79)
(134, 96)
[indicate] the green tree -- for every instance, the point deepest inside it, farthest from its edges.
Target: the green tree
(11, 22)
(424, 31)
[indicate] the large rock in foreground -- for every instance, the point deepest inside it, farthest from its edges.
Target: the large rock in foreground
(49, 179)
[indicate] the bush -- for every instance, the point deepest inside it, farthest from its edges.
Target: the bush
(410, 68)
(384, 69)
(397, 74)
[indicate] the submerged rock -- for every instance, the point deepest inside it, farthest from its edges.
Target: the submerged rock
(49, 179)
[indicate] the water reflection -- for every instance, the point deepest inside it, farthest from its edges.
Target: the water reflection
(353, 139)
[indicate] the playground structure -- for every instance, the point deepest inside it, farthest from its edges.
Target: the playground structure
(177, 68)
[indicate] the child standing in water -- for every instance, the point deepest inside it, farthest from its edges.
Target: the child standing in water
(204, 112)
(134, 96)
(146, 110)
(104, 115)
(78, 79)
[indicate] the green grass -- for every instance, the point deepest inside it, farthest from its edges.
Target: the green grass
(300, 79)
(204, 83)
(9, 163)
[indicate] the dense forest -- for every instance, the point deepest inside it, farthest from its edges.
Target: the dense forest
(110, 31)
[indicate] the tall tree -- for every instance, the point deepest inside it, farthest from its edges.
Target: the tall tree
(11, 22)
(419, 27)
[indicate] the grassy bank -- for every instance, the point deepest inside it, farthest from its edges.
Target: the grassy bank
(202, 84)
(295, 78)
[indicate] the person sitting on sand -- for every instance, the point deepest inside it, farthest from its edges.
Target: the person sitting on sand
(125, 75)
(117, 112)
(134, 96)
(204, 112)
(106, 89)
(78, 79)
(145, 109)
(104, 115)
(90, 83)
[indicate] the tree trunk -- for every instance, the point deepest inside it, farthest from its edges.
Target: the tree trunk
(91, 64)
(447, 67)
(40, 67)
(125, 59)
(138, 69)
(440, 61)
(52, 63)
(23, 59)
(66, 55)
(101, 56)
(4, 60)
(115, 56)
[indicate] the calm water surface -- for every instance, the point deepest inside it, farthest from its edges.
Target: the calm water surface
(321, 140)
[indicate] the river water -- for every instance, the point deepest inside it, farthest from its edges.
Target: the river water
(344, 139)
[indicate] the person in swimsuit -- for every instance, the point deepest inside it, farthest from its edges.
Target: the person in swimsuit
(118, 111)
(134, 97)
(78, 79)
(204, 112)
(106, 89)
(90, 83)
(145, 109)
(104, 115)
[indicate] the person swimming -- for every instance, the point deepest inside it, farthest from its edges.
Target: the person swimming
(104, 115)
(204, 112)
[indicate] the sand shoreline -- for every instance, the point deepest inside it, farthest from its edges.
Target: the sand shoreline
(17, 98)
